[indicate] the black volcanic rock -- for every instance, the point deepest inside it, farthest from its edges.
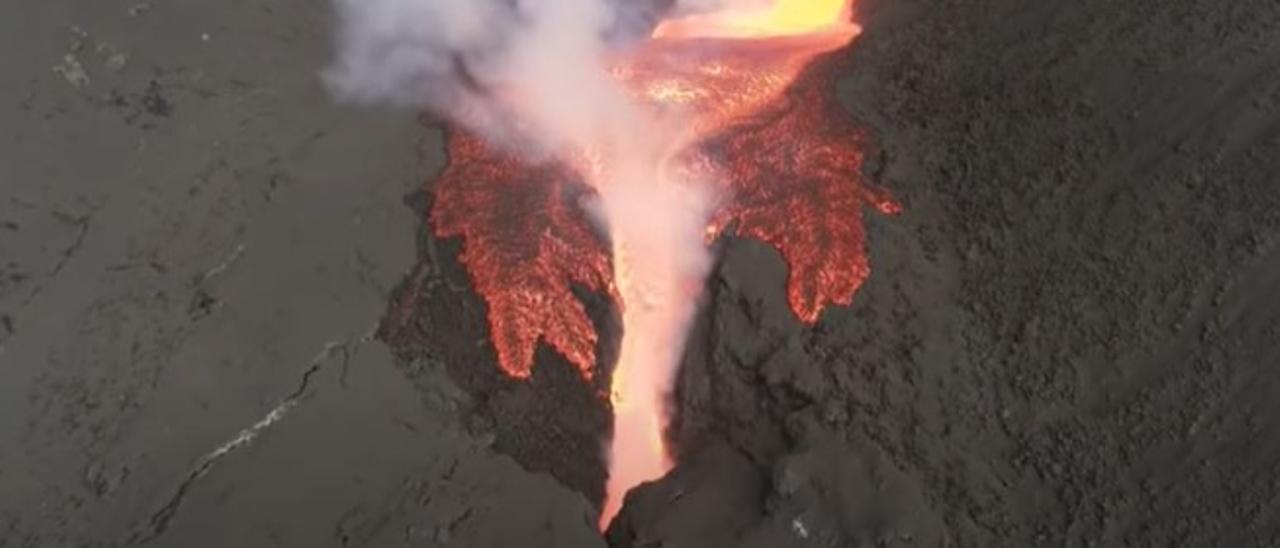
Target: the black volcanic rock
(1069, 337)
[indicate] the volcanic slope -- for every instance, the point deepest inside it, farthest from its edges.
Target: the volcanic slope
(1066, 337)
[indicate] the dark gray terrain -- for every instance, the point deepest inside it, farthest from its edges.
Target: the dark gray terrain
(1070, 337)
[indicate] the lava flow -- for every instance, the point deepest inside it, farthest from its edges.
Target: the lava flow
(763, 148)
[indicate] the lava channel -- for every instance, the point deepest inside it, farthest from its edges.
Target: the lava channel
(764, 131)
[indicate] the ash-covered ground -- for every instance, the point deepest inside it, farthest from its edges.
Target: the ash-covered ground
(1069, 337)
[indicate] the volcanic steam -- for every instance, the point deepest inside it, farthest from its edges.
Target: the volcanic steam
(594, 145)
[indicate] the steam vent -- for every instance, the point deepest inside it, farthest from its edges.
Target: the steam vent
(640, 273)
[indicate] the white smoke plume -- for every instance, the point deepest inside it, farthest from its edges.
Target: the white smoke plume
(532, 74)
(464, 59)
(527, 69)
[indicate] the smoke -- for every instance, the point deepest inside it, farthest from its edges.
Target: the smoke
(526, 72)
(533, 74)
(517, 71)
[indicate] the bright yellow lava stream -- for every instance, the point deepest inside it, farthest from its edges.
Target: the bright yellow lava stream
(782, 18)
(658, 292)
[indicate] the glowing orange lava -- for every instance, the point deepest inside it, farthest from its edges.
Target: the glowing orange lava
(781, 18)
(763, 128)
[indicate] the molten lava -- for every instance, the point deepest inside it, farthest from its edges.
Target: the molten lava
(781, 18)
(762, 129)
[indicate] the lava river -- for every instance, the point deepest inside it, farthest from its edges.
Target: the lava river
(762, 149)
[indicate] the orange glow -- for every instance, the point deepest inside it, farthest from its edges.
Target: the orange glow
(759, 124)
(659, 298)
(759, 58)
(781, 18)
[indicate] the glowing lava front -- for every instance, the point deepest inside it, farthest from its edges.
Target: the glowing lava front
(761, 134)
